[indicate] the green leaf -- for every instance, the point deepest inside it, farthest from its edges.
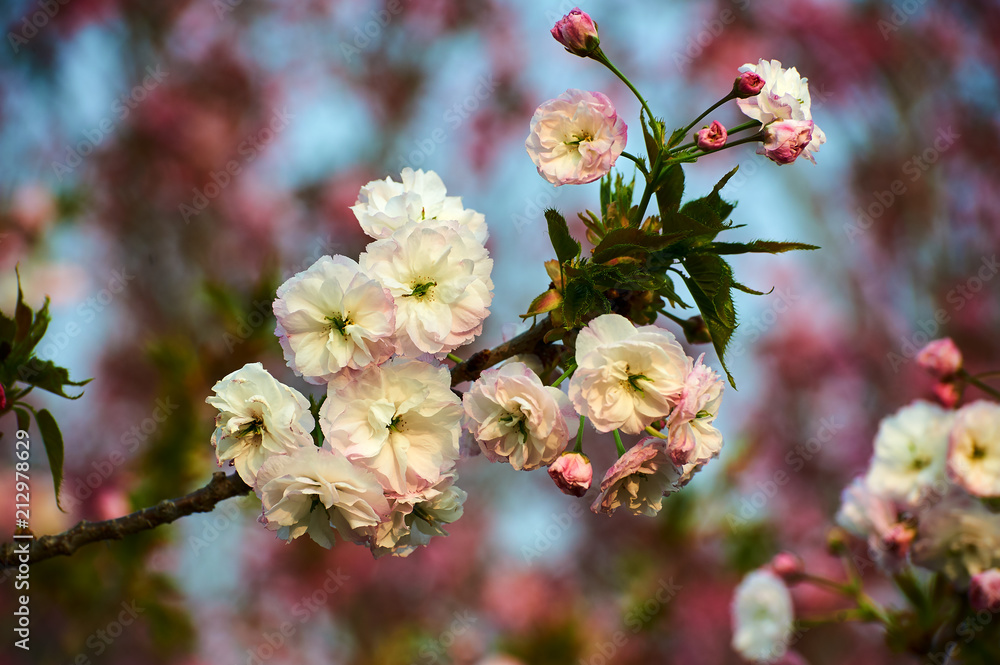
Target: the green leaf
(670, 189)
(628, 241)
(746, 289)
(676, 137)
(546, 302)
(710, 280)
(23, 418)
(759, 246)
(652, 147)
(46, 375)
(721, 206)
(52, 438)
(566, 247)
(22, 313)
(668, 291)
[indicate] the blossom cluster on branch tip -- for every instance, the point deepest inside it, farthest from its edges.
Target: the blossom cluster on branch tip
(926, 506)
(374, 458)
(381, 472)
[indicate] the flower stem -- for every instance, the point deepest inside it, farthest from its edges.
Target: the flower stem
(731, 95)
(638, 163)
(653, 432)
(600, 57)
(618, 442)
(986, 375)
(579, 436)
(565, 375)
(989, 390)
(452, 356)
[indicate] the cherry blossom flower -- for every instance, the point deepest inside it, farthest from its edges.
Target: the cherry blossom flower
(959, 537)
(399, 419)
(316, 491)
(785, 140)
(784, 96)
(577, 32)
(876, 520)
(763, 617)
(333, 316)
(692, 435)
(384, 206)
(417, 517)
(974, 449)
(258, 417)
(712, 137)
(517, 419)
(910, 451)
(572, 473)
(941, 358)
(627, 377)
(576, 137)
(439, 276)
(639, 480)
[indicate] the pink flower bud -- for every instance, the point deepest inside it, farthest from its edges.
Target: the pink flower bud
(572, 473)
(941, 358)
(785, 140)
(747, 84)
(948, 393)
(712, 137)
(984, 590)
(577, 32)
(787, 566)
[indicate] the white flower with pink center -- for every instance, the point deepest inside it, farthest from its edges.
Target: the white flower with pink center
(576, 138)
(333, 316)
(974, 449)
(692, 435)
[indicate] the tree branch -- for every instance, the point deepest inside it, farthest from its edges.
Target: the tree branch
(223, 487)
(202, 500)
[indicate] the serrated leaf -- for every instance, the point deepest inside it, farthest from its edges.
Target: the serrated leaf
(578, 300)
(676, 137)
(566, 247)
(623, 242)
(544, 303)
(22, 314)
(670, 189)
(720, 205)
(746, 289)
(46, 375)
(668, 291)
(23, 418)
(759, 247)
(710, 282)
(52, 438)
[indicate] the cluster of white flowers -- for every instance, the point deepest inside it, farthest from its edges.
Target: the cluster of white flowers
(921, 499)
(368, 330)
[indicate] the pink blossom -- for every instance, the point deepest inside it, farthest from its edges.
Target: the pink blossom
(941, 358)
(787, 566)
(576, 138)
(692, 435)
(747, 84)
(785, 140)
(948, 393)
(984, 590)
(577, 32)
(572, 473)
(639, 479)
(712, 137)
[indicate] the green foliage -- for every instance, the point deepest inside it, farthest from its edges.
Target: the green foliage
(21, 372)
(629, 268)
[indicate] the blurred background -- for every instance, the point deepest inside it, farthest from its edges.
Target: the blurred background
(165, 165)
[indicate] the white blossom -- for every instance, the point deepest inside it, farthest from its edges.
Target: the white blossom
(417, 517)
(517, 419)
(691, 432)
(763, 617)
(384, 206)
(333, 316)
(440, 279)
(974, 449)
(627, 377)
(316, 491)
(399, 419)
(258, 417)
